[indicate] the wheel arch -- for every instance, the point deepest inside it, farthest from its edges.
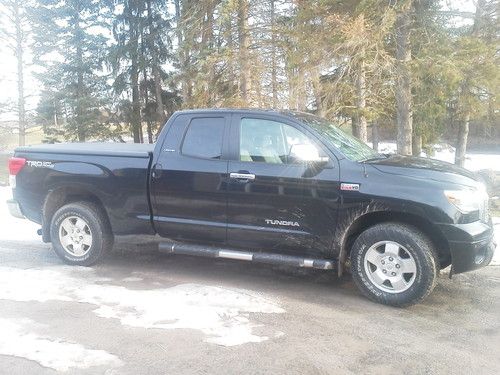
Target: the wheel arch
(373, 218)
(61, 196)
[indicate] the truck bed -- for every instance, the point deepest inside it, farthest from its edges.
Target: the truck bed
(113, 174)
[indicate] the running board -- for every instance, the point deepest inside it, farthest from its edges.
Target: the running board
(216, 252)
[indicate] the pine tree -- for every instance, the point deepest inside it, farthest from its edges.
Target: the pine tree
(478, 57)
(71, 50)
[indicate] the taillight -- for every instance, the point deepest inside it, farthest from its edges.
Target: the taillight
(15, 165)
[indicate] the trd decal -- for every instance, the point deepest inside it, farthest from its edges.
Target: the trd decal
(40, 164)
(282, 222)
(349, 187)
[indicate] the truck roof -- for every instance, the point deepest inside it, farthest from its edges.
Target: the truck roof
(282, 112)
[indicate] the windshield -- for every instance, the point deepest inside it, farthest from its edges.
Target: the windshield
(352, 148)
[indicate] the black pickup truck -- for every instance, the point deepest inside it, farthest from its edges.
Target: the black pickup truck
(264, 186)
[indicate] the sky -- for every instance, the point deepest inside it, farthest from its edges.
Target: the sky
(8, 79)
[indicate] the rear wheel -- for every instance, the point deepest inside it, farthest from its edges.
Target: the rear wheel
(394, 264)
(80, 233)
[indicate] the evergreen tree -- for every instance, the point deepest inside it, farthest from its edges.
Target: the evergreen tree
(70, 45)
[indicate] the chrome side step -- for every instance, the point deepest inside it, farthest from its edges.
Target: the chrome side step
(271, 258)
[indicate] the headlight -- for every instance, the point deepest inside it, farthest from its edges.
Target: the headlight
(466, 200)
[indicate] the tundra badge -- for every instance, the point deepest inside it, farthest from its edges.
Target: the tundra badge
(282, 222)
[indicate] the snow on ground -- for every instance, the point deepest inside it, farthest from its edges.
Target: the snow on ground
(222, 314)
(16, 340)
(11, 228)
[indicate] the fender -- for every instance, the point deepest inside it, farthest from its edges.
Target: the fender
(356, 219)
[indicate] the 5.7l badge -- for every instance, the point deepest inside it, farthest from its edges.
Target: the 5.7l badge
(349, 187)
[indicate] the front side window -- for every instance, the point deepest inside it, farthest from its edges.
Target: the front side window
(203, 138)
(274, 142)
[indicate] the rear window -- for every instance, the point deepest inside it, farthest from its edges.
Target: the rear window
(204, 138)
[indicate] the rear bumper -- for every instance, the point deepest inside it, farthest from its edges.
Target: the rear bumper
(471, 245)
(15, 209)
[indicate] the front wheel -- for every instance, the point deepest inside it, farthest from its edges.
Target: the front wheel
(394, 264)
(80, 233)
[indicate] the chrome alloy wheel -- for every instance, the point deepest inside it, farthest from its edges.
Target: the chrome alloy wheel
(390, 267)
(75, 236)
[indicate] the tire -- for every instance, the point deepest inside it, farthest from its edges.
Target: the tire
(80, 233)
(387, 251)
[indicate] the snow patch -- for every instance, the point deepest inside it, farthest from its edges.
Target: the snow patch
(13, 229)
(57, 354)
(496, 257)
(222, 314)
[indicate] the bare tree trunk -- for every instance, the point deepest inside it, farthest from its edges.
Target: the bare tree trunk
(461, 146)
(359, 121)
(292, 88)
(160, 112)
(207, 44)
(21, 112)
(79, 84)
(318, 93)
(180, 17)
(274, 79)
(403, 81)
(134, 70)
(243, 48)
(463, 125)
(136, 105)
(375, 135)
(228, 36)
(417, 145)
(301, 90)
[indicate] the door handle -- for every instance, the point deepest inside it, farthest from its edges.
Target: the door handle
(242, 176)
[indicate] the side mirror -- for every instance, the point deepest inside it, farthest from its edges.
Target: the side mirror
(307, 153)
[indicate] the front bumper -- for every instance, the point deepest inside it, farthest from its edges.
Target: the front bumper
(471, 245)
(15, 209)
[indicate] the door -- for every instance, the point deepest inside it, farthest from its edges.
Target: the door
(189, 180)
(283, 187)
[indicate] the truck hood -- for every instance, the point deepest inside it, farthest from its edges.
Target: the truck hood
(425, 168)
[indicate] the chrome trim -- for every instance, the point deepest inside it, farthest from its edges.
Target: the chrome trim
(242, 176)
(309, 263)
(235, 255)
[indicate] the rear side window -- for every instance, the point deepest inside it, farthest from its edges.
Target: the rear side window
(204, 138)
